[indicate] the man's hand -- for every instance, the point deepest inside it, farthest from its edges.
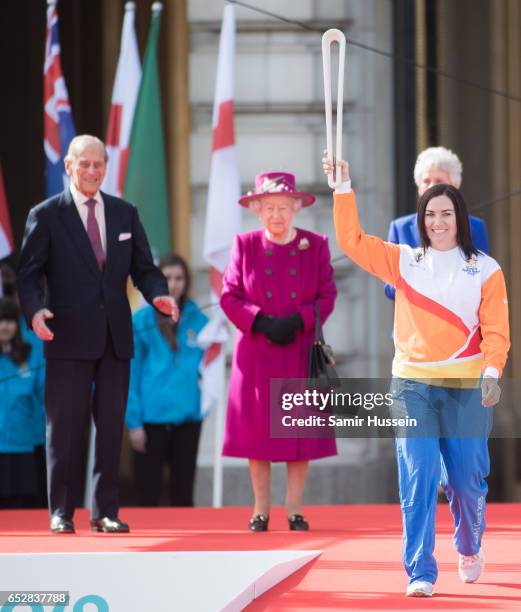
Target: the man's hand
(138, 439)
(168, 306)
(490, 392)
(330, 167)
(39, 326)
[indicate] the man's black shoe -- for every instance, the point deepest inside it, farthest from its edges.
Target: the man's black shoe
(61, 525)
(109, 525)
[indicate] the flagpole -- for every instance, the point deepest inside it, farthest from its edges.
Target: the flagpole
(217, 497)
(223, 222)
(89, 477)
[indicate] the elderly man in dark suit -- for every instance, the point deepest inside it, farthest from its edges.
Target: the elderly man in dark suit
(85, 244)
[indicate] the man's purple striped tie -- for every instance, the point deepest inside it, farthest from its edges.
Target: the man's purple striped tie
(94, 233)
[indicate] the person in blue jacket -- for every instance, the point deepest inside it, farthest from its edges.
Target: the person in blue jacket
(164, 406)
(28, 336)
(434, 165)
(21, 393)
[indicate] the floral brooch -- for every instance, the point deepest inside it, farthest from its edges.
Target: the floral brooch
(303, 245)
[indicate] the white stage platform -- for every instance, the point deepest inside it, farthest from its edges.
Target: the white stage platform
(151, 581)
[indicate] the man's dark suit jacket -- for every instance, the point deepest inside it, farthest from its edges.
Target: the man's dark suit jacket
(84, 299)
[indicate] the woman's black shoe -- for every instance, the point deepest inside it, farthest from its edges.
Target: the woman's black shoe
(259, 522)
(298, 523)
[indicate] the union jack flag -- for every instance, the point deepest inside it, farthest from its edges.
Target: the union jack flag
(57, 117)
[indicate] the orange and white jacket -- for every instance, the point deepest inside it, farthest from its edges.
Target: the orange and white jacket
(451, 313)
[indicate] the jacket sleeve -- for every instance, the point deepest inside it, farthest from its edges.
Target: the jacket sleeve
(200, 320)
(147, 277)
(134, 414)
(374, 255)
(390, 291)
(326, 295)
(39, 378)
(31, 264)
(38, 364)
(493, 320)
(234, 302)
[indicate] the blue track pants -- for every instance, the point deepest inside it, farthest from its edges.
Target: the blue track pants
(462, 471)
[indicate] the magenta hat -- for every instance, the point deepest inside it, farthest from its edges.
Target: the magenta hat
(271, 183)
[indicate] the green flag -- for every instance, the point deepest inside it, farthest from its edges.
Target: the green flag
(146, 181)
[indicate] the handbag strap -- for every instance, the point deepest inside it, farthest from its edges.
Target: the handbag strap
(319, 334)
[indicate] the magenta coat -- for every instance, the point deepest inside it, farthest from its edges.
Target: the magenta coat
(277, 280)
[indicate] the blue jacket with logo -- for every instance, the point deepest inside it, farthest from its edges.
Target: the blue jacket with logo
(164, 384)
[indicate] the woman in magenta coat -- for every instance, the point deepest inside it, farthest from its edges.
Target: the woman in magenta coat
(275, 276)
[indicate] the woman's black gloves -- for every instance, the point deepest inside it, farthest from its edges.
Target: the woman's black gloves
(280, 330)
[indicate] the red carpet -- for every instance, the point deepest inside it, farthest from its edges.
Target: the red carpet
(360, 568)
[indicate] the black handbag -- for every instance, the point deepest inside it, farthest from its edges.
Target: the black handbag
(321, 372)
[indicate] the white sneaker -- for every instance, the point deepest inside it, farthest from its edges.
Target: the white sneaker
(470, 567)
(420, 588)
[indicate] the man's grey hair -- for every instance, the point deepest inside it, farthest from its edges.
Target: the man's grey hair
(79, 143)
(442, 158)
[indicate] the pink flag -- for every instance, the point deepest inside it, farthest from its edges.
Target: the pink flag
(124, 97)
(6, 235)
(223, 214)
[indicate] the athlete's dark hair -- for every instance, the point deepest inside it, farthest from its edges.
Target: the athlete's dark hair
(463, 236)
